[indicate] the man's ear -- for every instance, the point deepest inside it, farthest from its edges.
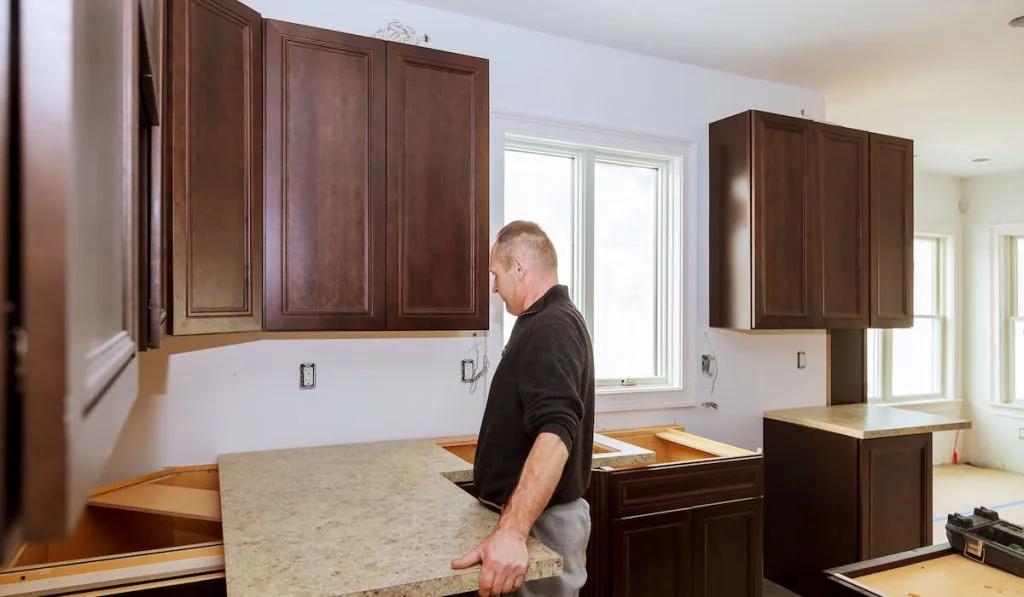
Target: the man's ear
(518, 267)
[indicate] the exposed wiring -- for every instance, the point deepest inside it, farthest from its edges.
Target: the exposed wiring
(714, 362)
(479, 368)
(956, 440)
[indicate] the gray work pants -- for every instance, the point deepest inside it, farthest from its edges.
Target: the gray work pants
(564, 528)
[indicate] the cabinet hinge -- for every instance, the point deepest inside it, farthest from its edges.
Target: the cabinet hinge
(20, 342)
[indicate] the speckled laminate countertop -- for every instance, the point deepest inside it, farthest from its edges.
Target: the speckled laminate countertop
(867, 421)
(361, 519)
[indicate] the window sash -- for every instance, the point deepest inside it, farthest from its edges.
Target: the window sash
(880, 343)
(883, 355)
(666, 295)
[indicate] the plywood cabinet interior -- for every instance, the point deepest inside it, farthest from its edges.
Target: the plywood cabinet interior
(158, 535)
(811, 225)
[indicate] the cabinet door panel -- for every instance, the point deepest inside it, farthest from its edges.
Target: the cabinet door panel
(216, 121)
(843, 199)
(79, 130)
(892, 232)
(895, 494)
(651, 555)
(727, 549)
(785, 212)
(326, 195)
(437, 161)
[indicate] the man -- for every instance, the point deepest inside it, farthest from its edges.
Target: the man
(534, 450)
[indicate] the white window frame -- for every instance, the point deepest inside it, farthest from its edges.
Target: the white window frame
(947, 353)
(675, 160)
(1004, 276)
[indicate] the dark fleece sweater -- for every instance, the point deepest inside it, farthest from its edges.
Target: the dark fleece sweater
(543, 382)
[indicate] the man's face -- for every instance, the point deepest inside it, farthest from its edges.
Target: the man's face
(505, 283)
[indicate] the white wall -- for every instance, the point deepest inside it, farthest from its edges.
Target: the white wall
(198, 403)
(936, 209)
(992, 200)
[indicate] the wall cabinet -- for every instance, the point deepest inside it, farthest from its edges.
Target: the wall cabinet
(69, 194)
(811, 225)
(376, 184)
(319, 180)
(832, 500)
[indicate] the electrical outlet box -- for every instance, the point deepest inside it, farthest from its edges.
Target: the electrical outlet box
(705, 364)
(801, 360)
(307, 376)
(1020, 433)
(468, 370)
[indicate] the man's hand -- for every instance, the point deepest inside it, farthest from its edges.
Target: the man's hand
(504, 559)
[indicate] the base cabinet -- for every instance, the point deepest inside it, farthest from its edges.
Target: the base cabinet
(688, 524)
(832, 500)
(153, 536)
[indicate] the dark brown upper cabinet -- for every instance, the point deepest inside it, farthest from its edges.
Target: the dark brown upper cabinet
(892, 232)
(376, 184)
(795, 235)
(325, 179)
(214, 158)
(318, 180)
(438, 178)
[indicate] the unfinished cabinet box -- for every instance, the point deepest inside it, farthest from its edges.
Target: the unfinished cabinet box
(811, 225)
(154, 536)
(688, 524)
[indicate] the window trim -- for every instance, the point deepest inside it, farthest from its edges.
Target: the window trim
(678, 271)
(948, 319)
(1004, 274)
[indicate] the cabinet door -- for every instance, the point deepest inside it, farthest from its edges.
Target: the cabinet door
(325, 179)
(727, 549)
(895, 494)
(152, 273)
(438, 177)
(892, 232)
(651, 555)
(842, 192)
(215, 117)
(79, 372)
(785, 215)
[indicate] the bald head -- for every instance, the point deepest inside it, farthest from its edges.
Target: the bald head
(529, 242)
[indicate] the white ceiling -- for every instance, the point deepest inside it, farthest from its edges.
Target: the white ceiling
(947, 73)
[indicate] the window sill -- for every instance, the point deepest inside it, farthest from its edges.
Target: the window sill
(1012, 411)
(638, 398)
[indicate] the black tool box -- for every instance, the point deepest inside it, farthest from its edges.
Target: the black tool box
(983, 537)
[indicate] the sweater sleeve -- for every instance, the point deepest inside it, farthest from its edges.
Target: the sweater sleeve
(549, 383)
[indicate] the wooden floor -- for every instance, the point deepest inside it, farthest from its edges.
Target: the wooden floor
(961, 487)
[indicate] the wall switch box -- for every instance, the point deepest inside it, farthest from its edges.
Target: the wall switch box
(307, 376)
(705, 364)
(1020, 433)
(801, 360)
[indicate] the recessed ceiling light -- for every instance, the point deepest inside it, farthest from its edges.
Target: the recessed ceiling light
(1018, 22)
(979, 160)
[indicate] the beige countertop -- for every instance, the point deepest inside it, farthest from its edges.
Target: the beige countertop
(361, 519)
(867, 421)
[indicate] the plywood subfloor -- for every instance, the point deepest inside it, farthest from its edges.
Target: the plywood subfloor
(961, 487)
